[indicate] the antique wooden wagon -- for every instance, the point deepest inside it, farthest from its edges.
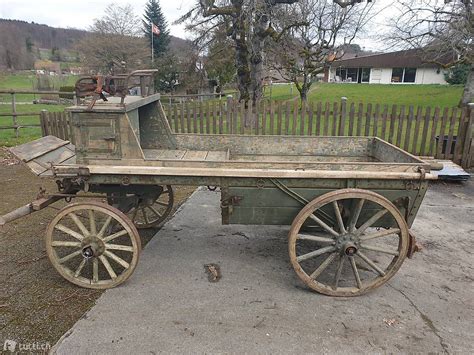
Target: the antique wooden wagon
(350, 201)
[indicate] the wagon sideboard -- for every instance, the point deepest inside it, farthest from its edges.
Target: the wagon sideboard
(134, 145)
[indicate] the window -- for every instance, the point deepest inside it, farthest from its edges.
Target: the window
(403, 75)
(410, 75)
(352, 75)
(397, 75)
(365, 75)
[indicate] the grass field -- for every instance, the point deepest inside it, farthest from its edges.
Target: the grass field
(417, 95)
(25, 82)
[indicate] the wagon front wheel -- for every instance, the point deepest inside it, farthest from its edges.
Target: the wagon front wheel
(348, 242)
(93, 245)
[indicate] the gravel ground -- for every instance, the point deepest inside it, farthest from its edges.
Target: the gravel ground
(36, 304)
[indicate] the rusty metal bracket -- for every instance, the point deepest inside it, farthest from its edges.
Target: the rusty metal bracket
(413, 246)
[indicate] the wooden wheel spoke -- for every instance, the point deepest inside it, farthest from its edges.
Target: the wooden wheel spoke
(323, 266)
(355, 215)
(315, 238)
(380, 234)
(370, 263)
(155, 211)
(69, 231)
(315, 253)
(117, 259)
(161, 203)
(115, 235)
(145, 217)
(80, 267)
(69, 256)
(356, 272)
(79, 224)
(324, 225)
(95, 270)
(337, 212)
(104, 226)
(337, 276)
(61, 243)
(93, 225)
(370, 222)
(108, 267)
(134, 215)
(119, 247)
(380, 250)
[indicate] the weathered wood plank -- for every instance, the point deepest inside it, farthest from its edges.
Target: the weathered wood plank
(327, 109)
(295, 116)
(279, 118)
(272, 117)
(439, 150)
(318, 117)
(419, 115)
(335, 117)
(408, 131)
(368, 119)
(287, 118)
(351, 120)
(401, 121)
(376, 121)
(383, 134)
(393, 119)
(434, 129)
(449, 153)
(342, 121)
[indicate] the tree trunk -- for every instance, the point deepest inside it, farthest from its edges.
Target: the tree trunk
(257, 56)
(468, 94)
(241, 52)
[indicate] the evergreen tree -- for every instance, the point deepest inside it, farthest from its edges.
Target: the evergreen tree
(154, 15)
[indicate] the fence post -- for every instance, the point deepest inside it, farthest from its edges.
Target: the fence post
(14, 116)
(342, 121)
(468, 149)
(44, 123)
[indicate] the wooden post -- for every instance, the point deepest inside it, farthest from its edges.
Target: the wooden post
(468, 148)
(14, 116)
(342, 121)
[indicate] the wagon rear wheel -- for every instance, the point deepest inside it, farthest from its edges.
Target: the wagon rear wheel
(151, 210)
(93, 245)
(348, 242)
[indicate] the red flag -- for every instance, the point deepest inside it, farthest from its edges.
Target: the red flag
(155, 29)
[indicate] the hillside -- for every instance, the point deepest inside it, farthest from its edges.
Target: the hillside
(22, 42)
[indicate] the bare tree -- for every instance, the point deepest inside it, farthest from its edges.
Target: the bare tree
(248, 24)
(442, 31)
(325, 30)
(113, 40)
(119, 20)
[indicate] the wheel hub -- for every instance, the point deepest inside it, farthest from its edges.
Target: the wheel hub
(347, 244)
(92, 247)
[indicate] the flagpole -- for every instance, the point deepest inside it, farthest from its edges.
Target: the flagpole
(152, 51)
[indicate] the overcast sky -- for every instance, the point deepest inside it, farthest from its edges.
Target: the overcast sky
(81, 14)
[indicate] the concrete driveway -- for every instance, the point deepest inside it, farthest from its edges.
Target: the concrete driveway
(260, 305)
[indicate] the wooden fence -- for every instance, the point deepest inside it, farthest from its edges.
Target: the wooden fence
(443, 133)
(14, 114)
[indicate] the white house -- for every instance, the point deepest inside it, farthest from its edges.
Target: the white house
(403, 67)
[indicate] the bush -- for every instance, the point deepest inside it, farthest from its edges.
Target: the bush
(66, 89)
(457, 74)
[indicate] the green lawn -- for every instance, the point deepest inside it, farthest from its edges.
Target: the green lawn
(7, 136)
(25, 81)
(417, 95)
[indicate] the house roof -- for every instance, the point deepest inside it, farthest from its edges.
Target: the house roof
(409, 58)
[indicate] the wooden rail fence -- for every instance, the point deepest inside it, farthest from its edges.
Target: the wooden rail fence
(444, 133)
(14, 114)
